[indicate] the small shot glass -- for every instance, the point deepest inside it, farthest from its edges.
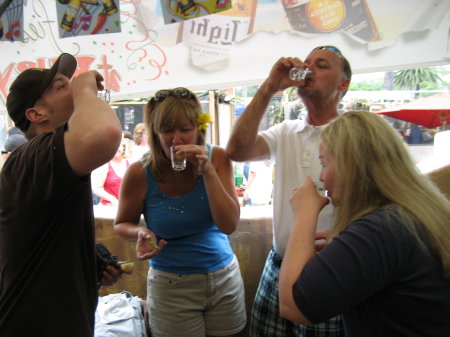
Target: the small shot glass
(105, 95)
(299, 74)
(178, 161)
(320, 188)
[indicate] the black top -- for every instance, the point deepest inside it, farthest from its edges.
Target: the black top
(47, 249)
(378, 276)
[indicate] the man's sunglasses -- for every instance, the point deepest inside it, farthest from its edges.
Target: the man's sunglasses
(332, 49)
(180, 92)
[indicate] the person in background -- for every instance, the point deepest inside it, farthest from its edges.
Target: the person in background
(428, 136)
(194, 285)
(246, 170)
(140, 146)
(106, 179)
(415, 135)
(293, 147)
(48, 275)
(127, 135)
(14, 140)
(258, 190)
(387, 264)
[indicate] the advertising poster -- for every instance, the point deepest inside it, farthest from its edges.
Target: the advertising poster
(326, 16)
(11, 20)
(181, 10)
(211, 38)
(87, 17)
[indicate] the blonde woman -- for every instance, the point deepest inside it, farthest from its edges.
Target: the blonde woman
(194, 285)
(387, 265)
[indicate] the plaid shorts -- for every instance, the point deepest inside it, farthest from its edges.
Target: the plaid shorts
(266, 320)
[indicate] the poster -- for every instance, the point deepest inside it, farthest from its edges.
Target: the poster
(327, 16)
(181, 10)
(211, 38)
(87, 17)
(11, 20)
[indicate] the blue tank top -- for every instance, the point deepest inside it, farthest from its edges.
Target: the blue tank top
(195, 243)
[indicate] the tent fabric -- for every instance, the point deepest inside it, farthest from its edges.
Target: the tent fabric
(216, 52)
(430, 112)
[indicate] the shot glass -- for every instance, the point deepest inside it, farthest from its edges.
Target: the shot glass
(299, 74)
(178, 161)
(104, 94)
(320, 188)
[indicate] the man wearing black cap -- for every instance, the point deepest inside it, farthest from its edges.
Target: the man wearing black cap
(48, 281)
(294, 147)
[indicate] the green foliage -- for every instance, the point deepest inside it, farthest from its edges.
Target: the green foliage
(372, 85)
(275, 113)
(290, 94)
(416, 79)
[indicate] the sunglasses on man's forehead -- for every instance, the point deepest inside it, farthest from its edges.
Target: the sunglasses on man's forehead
(180, 92)
(330, 48)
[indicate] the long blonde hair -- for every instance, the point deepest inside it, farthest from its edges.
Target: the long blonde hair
(160, 115)
(375, 170)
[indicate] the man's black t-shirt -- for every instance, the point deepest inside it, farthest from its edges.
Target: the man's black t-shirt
(47, 243)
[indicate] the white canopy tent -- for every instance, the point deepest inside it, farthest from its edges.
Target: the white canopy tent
(145, 55)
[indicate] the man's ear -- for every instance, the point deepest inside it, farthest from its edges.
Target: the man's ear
(36, 115)
(345, 83)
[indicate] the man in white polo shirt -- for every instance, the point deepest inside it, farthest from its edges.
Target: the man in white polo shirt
(293, 146)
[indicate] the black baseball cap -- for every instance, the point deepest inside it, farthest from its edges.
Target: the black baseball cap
(29, 86)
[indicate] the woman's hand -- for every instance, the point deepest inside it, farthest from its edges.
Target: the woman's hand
(196, 154)
(307, 199)
(146, 244)
(321, 240)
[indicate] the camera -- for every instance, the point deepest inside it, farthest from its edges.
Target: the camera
(104, 259)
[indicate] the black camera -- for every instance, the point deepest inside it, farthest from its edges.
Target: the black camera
(104, 259)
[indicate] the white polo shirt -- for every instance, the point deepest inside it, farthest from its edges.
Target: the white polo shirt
(294, 147)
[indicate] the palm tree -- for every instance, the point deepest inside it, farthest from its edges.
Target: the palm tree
(414, 79)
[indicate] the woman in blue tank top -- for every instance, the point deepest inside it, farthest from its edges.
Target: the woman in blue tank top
(194, 285)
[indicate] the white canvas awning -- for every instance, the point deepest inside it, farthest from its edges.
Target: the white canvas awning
(148, 55)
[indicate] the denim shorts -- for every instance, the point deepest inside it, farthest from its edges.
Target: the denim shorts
(195, 305)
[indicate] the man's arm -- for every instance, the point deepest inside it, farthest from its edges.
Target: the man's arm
(244, 143)
(94, 130)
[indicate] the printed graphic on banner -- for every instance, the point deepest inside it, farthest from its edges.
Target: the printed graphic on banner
(11, 20)
(326, 16)
(181, 10)
(210, 38)
(87, 17)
